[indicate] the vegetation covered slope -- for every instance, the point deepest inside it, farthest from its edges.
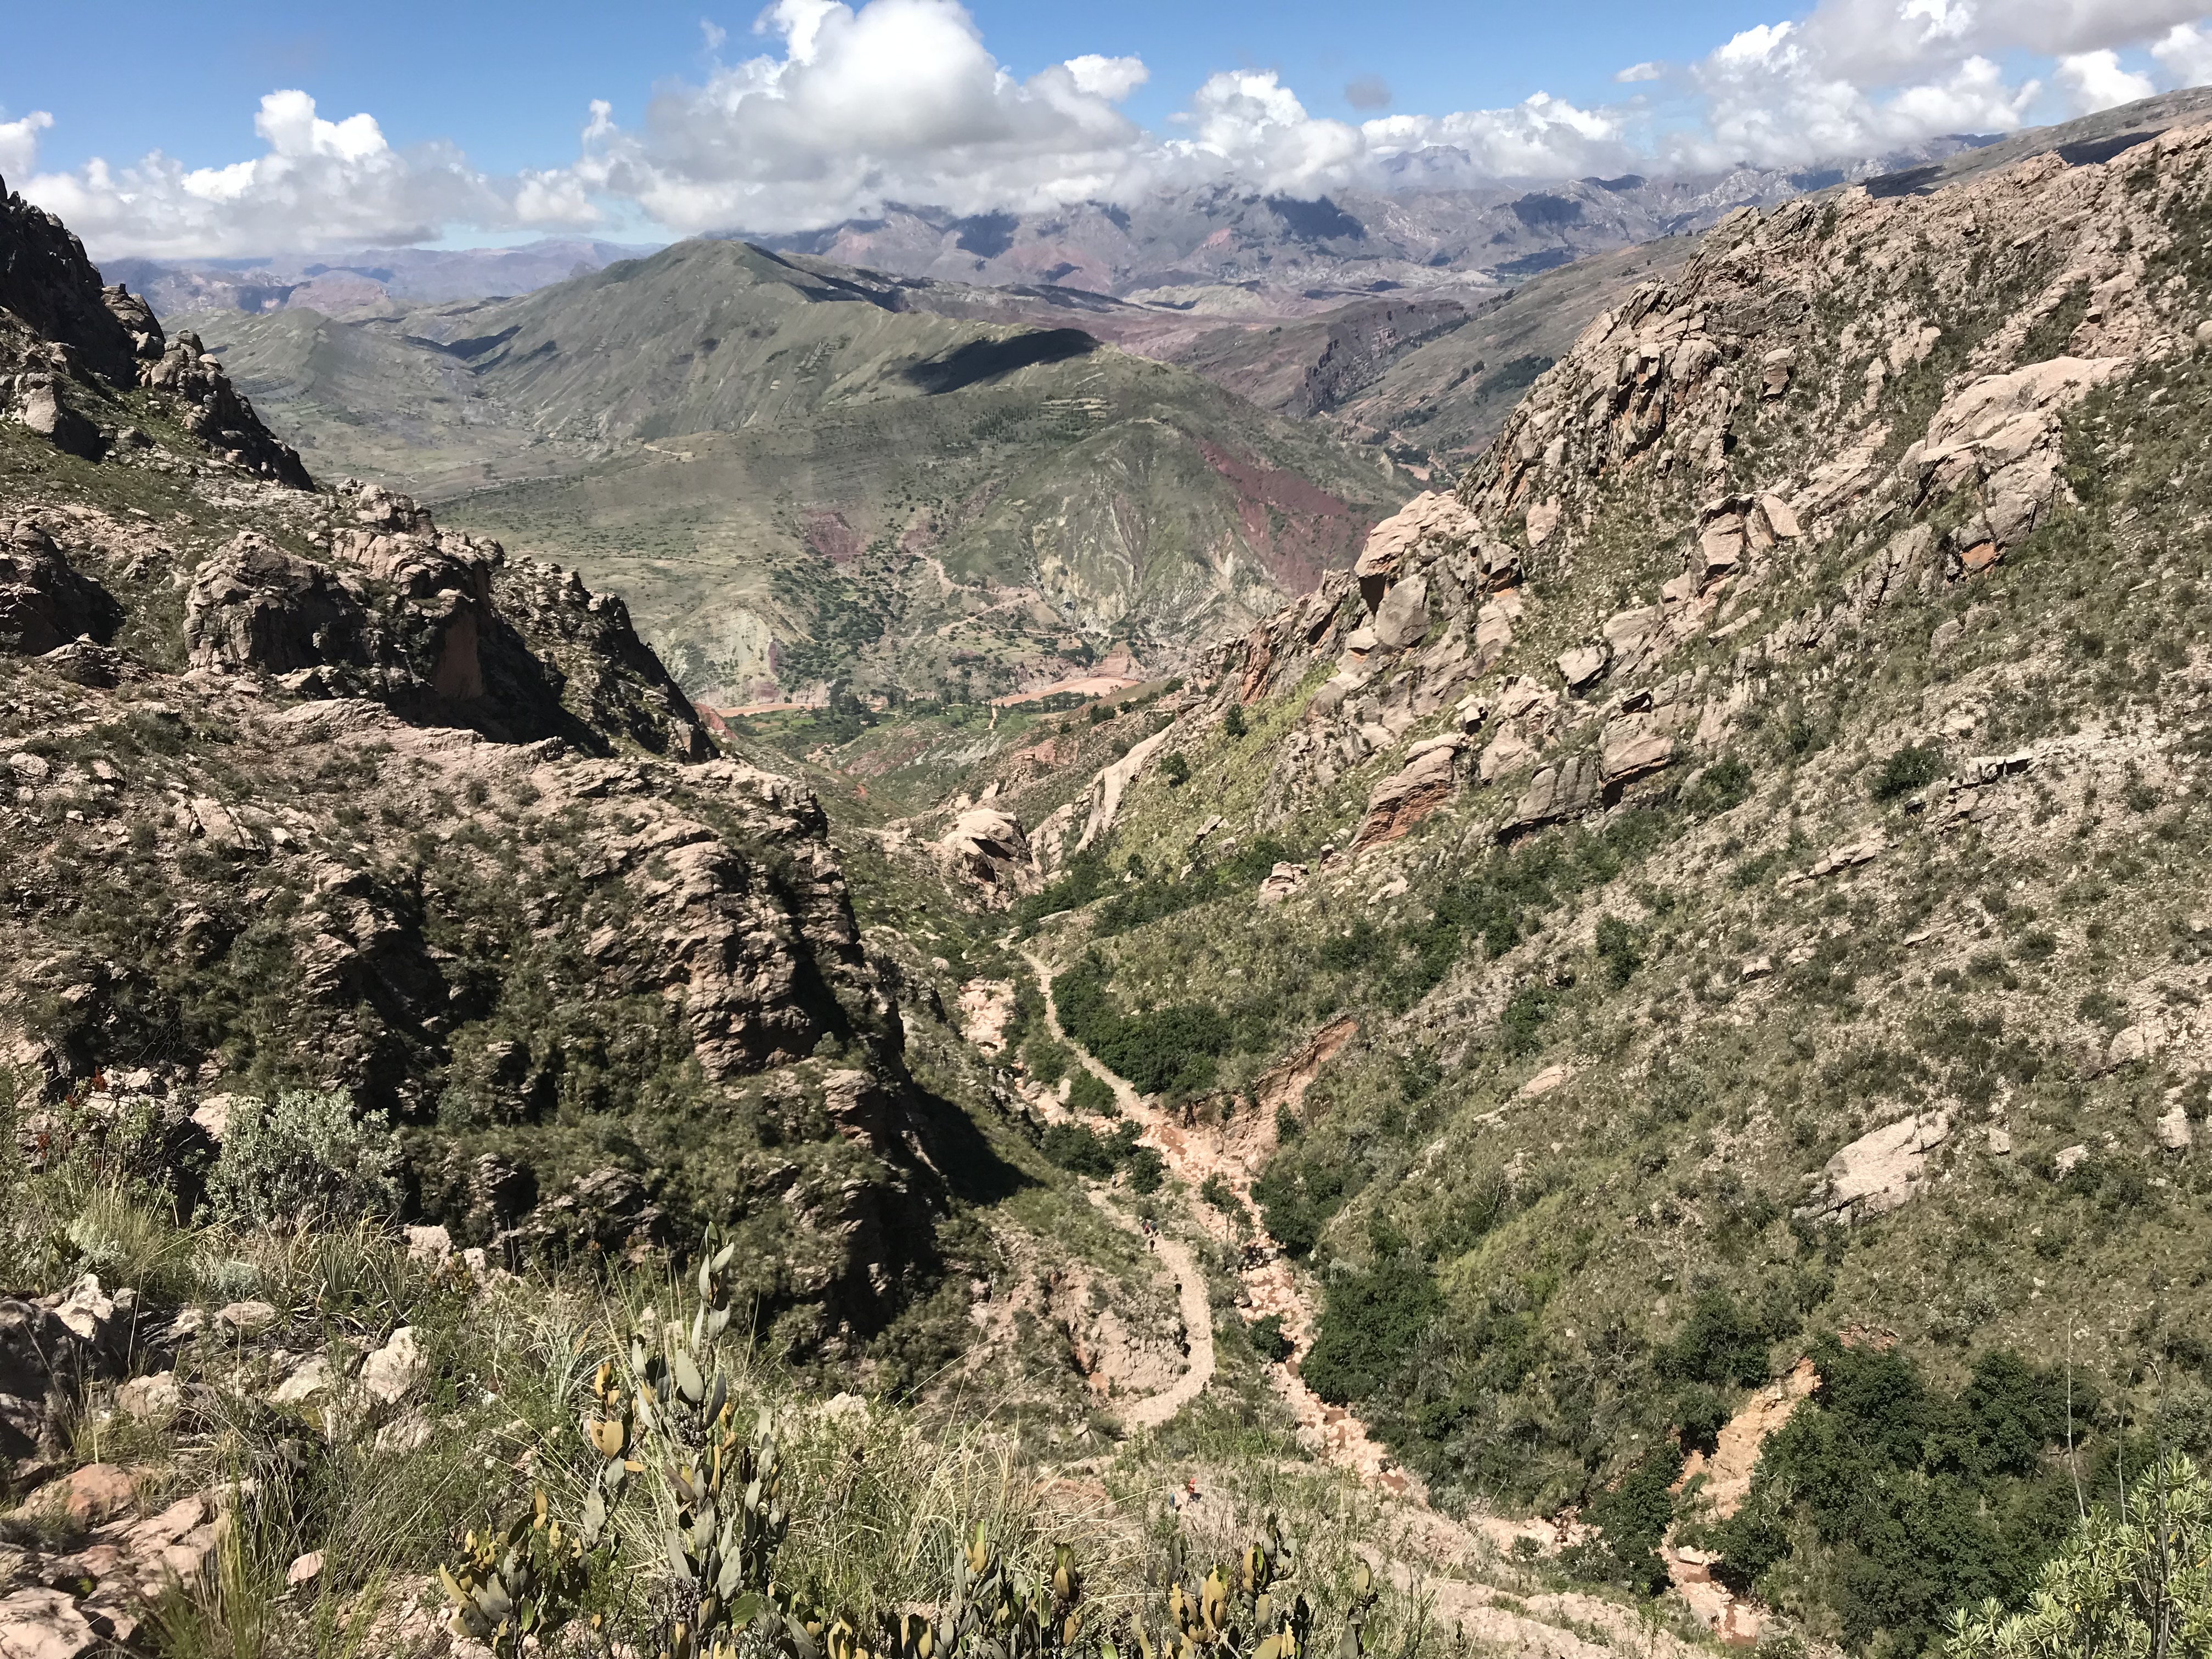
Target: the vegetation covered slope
(797, 473)
(1756, 829)
(305, 791)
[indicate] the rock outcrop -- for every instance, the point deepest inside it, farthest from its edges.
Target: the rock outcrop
(1880, 1171)
(985, 848)
(376, 808)
(68, 346)
(46, 602)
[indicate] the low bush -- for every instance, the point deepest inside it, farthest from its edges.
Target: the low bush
(1632, 1517)
(1913, 767)
(1268, 1339)
(304, 1159)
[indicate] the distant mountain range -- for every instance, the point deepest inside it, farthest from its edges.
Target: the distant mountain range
(798, 473)
(1219, 248)
(374, 276)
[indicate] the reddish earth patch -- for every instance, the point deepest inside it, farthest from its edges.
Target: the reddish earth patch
(828, 534)
(1316, 532)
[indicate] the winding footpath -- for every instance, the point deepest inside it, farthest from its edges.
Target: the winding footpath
(1271, 1286)
(1567, 1625)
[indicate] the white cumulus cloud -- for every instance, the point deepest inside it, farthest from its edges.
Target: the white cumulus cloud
(18, 142)
(899, 101)
(844, 108)
(317, 184)
(2096, 80)
(2184, 52)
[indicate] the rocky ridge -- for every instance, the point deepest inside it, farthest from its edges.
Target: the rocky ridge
(305, 790)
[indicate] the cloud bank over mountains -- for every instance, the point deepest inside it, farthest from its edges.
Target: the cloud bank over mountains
(843, 109)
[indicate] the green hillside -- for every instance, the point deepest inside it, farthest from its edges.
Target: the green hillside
(795, 476)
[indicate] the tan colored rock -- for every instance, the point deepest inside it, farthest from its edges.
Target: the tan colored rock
(1880, 1171)
(1631, 746)
(1780, 518)
(1434, 519)
(1564, 790)
(986, 847)
(1281, 882)
(247, 1318)
(1493, 636)
(1735, 1458)
(1426, 783)
(304, 1570)
(1543, 519)
(1402, 618)
(311, 1377)
(394, 1369)
(2132, 1045)
(1580, 664)
(154, 1399)
(1285, 1083)
(90, 1496)
(1999, 433)
(45, 1624)
(1107, 788)
(1506, 750)
(2173, 1130)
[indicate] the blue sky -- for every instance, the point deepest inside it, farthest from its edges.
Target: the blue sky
(510, 83)
(323, 126)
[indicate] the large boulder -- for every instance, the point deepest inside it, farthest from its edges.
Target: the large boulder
(45, 410)
(986, 847)
(1878, 1172)
(256, 608)
(45, 604)
(1998, 435)
(1424, 783)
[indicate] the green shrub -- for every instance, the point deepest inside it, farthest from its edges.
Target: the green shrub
(1091, 1094)
(1176, 770)
(1268, 1340)
(1722, 1343)
(1296, 1198)
(1913, 767)
(1046, 1060)
(1910, 1502)
(1147, 1169)
(1367, 1326)
(1171, 1051)
(304, 1160)
(1632, 1517)
(1620, 949)
(2134, 1582)
(1725, 783)
(1233, 723)
(1074, 1148)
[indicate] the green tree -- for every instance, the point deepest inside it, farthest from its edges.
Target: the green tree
(2132, 1581)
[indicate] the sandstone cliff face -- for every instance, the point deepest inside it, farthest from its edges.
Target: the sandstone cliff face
(1882, 381)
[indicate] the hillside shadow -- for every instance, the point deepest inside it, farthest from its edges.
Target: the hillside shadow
(987, 360)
